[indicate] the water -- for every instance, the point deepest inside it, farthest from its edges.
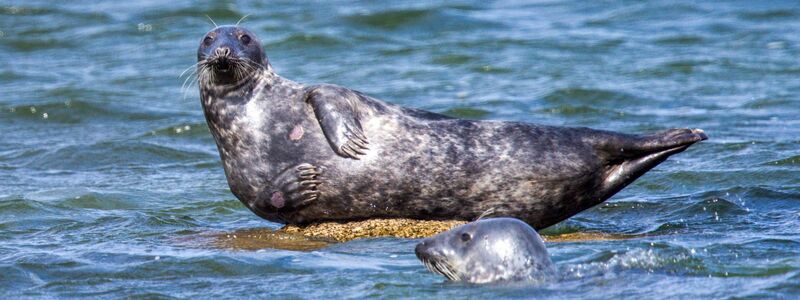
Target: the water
(108, 174)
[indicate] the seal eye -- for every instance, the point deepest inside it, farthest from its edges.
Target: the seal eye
(207, 40)
(245, 39)
(465, 237)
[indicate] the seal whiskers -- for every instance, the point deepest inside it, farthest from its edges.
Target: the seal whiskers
(191, 78)
(441, 268)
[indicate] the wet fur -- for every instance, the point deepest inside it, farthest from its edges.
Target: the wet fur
(417, 164)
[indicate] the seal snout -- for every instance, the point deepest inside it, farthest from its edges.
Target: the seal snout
(222, 59)
(428, 250)
(421, 250)
(222, 51)
(428, 253)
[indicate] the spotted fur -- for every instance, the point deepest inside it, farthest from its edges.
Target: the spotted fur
(374, 159)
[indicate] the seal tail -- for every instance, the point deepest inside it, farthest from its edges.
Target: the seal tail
(645, 153)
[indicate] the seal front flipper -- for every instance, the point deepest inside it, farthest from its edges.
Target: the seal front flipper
(294, 187)
(336, 109)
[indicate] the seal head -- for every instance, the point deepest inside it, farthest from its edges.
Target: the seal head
(229, 55)
(488, 250)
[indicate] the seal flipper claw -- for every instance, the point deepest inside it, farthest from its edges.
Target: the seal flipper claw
(294, 187)
(360, 143)
(337, 113)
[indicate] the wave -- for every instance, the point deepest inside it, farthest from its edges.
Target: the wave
(433, 19)
(115, 154)
(592, 99)
(188, 130)
(789, 161)
(681, 39)
(770, 15)
(300, 40)
(467, 112)
(79, 111)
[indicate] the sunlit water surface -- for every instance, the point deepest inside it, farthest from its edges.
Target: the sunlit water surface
(108, 174)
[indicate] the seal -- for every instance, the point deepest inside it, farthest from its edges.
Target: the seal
(297, 154)
(487, 250)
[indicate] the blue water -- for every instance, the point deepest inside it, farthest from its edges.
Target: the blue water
(108, 174)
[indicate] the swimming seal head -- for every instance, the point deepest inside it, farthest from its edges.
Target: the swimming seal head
(489, 250)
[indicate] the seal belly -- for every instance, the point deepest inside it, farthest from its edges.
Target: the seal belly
(457, 169)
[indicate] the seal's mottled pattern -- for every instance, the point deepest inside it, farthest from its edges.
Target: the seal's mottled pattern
(298, 154)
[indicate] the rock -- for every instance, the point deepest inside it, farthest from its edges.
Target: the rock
(403, 228)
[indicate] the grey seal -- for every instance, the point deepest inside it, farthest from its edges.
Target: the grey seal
(487, 250)
(295, 153)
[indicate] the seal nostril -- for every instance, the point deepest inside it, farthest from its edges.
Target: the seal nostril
(222, 51)
(419, 249)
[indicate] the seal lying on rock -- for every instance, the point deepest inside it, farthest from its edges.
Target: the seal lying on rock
(297, 153)
(488, 250)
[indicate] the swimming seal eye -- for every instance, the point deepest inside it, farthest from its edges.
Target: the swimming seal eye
(245, 39)
(465, 237)
(208, 40)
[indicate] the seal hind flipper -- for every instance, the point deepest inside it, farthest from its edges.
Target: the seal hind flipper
(337, 112)
(647, 153)
(668, 139)
(294, 187)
